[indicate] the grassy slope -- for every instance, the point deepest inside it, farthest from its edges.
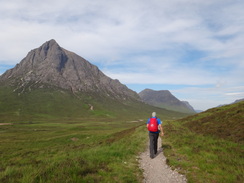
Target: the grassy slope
(71, 152)
(208, 147)
(226, 122)
(38, 104)
(56, 138)
(43, 104)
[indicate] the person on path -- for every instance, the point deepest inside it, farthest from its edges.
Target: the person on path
(153, 134)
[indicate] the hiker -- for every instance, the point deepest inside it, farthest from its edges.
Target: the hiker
(154, 127)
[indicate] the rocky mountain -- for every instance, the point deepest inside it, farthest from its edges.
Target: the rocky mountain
(51, 65)
(52, 83)
(164, 99)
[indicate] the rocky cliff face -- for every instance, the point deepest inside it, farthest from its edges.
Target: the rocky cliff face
(165, 99)
(51, 65)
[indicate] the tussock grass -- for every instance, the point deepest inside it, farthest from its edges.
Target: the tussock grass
(226, 122)
(203, 157)
(73, 152)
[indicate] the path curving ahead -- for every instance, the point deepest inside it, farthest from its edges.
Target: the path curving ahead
(156, 170)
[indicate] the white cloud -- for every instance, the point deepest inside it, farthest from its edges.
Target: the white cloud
(235, 94)
(111, 29)
(208, 97)
(184, 42)
(172, 76)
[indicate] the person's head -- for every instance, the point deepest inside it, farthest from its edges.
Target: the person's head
(154, 114)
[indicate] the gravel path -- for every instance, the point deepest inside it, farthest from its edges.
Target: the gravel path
(156, 170)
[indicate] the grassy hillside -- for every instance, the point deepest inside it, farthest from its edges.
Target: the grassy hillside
(55, 137)
(226, 122)
(71, 152)
(208, 147)
(38, 104)
(55, 104)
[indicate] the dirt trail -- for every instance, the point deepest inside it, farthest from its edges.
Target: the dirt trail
(156, 170)
(6, 123)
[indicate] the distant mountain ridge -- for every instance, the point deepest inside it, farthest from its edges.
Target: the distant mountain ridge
(164, 99)
(52, 65)
(236, 101)
(239, 100)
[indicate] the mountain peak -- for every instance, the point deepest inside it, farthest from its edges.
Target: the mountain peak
(54, 66)
(51, 43)
(49, 49)
(164, 99)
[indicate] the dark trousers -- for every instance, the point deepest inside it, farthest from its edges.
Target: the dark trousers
(153, 146)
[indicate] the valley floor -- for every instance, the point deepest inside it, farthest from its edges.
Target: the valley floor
(156, 170)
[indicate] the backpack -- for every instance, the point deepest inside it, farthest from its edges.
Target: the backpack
(153, 125)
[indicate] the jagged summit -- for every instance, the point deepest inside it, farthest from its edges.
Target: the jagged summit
(52, 65)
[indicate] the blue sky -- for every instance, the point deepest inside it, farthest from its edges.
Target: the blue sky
(193, 48)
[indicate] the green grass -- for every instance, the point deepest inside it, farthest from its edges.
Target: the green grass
(106, 150)
(55, 104)
(203, 158)
(71, 152)
(199, 149)
(226, 122)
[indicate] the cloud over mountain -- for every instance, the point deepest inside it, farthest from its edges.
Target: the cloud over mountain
(168, 43)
